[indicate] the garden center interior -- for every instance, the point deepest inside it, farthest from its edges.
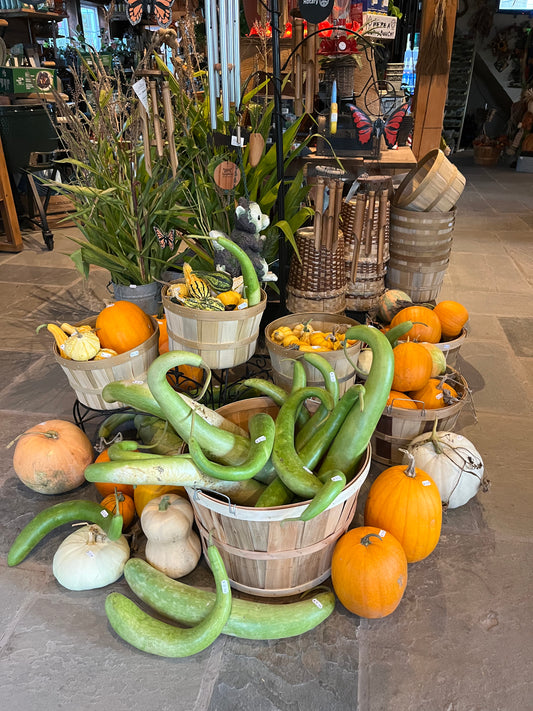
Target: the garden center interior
(459, 638)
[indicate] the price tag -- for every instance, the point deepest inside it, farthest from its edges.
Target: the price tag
(382, 533)
(90, 554)
(141, 90)
(225, 586)
(426, 483)
(336, 478)
(104, 513)
(332, 376)
(317, 603)
(260, 439)
(134, 353)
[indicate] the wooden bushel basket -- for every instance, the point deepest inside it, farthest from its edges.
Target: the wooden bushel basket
(264, 554)
(398, 426)
(282, 358)
(89, 378)
(451, 348)
(435, 184)
(224, 339)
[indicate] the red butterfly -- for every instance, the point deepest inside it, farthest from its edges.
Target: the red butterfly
(162, 10)
(165, 239)
(363, 124)
(392, 125)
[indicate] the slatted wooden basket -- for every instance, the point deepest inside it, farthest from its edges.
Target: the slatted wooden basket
(435, 184)
(89, 378)
(264, 553)
(224, 339)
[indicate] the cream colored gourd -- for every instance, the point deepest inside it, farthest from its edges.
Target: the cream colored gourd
(364, 362)
(87, 559)
(453, 463)
(171, 545)
(82, 345)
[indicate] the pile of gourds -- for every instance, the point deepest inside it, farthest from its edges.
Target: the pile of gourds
(304, 337)
(120, 327)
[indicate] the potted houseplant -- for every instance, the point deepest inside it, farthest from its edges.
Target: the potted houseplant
(126, 209)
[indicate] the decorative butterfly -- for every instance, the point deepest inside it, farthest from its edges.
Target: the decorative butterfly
(366, 128)
(165, 239)
(162, 10)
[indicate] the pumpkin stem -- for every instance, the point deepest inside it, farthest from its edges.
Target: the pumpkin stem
(365, 540)
(434, 439)
(164, 503)
(94, 535)
(410, 469)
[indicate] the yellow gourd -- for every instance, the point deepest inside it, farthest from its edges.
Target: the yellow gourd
(105, 353)
(82, 345)
(177, 290)
(59, 335)
(290, 340)
(280, 333)
(229, 298)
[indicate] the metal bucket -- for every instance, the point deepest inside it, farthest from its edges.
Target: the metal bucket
(146, 296)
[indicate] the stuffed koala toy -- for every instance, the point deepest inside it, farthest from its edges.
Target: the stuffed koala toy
(249, 221)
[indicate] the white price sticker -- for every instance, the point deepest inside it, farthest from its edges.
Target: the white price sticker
(225, 586)
(317, 603)
(104, 513)
(134, 353)
(382, 533)
(439, 396)
(308, 470)
(336, 478)
(260, 439)
(332, 376)
(90, 554)
(426, 483)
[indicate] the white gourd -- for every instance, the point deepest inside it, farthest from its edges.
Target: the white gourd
(87, 559)
(453, 463)
(364, 361)
(171, 545)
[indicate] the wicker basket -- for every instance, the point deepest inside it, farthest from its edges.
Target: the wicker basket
(316, 280)
(265, 554)
(486, 155)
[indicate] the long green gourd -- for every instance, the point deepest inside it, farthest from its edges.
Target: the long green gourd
(251, 282)
(225, 447)
(354, 435)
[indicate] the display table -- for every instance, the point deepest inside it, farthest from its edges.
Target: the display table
(390, 161)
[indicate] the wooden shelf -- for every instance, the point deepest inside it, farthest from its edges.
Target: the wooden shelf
(31, 14)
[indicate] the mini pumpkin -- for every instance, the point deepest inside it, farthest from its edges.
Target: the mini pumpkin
(126, 507)
(398, 399)
(435, 394)
(369, 572)
(405, 501)
(123, 326)
(82, 345)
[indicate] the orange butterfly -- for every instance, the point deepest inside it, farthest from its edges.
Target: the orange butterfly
(162, 10)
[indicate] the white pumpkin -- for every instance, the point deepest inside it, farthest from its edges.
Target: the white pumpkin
(453, 463)
(364, 362)
(171, 545)
(88, 559)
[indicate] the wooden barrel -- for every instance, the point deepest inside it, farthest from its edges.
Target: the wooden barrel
(435, 184)
(420, 247)
(398, 426)
(88, 378)
(282, 358)
(224, 339)
(451, 348)
(264, 553)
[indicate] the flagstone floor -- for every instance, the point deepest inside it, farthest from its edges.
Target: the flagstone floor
(462, 637)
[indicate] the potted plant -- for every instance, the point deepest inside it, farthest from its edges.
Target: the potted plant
(126, 210)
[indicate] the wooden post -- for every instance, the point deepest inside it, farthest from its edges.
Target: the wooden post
(8, 211)
(431, 91)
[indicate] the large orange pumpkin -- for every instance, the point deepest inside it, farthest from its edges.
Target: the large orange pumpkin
(412, 366)
(398, 399)
(123, 326)
(126, 507)
(427, 326)
(452, 316)
(405, 501)
(369, 571)
(106, 488)
(51, 457)
(434, 395)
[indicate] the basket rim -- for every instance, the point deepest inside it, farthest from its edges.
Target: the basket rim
(438, 413)
(199, 315)
(439, 159)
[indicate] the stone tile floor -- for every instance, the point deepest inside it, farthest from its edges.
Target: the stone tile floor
(462, 637)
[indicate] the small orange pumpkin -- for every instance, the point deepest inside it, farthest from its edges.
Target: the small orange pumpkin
(369, 572)
(398, 399)
(126, 507)
(105, 488)
(123, 326)
(434, 395)
(405, 501)
(452, 316)
(426, 323)
(51, 457)
(412, 364)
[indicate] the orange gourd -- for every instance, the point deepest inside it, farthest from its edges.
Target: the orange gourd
(105, 488)
(398, 399)
(434, 395)
(51, 457)
(412, 366)
(126, 507)
(406, 502)
(144, 493)
(452, 316)
(163, 333)
(426, 323)
(123, 326)
(369, 572)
